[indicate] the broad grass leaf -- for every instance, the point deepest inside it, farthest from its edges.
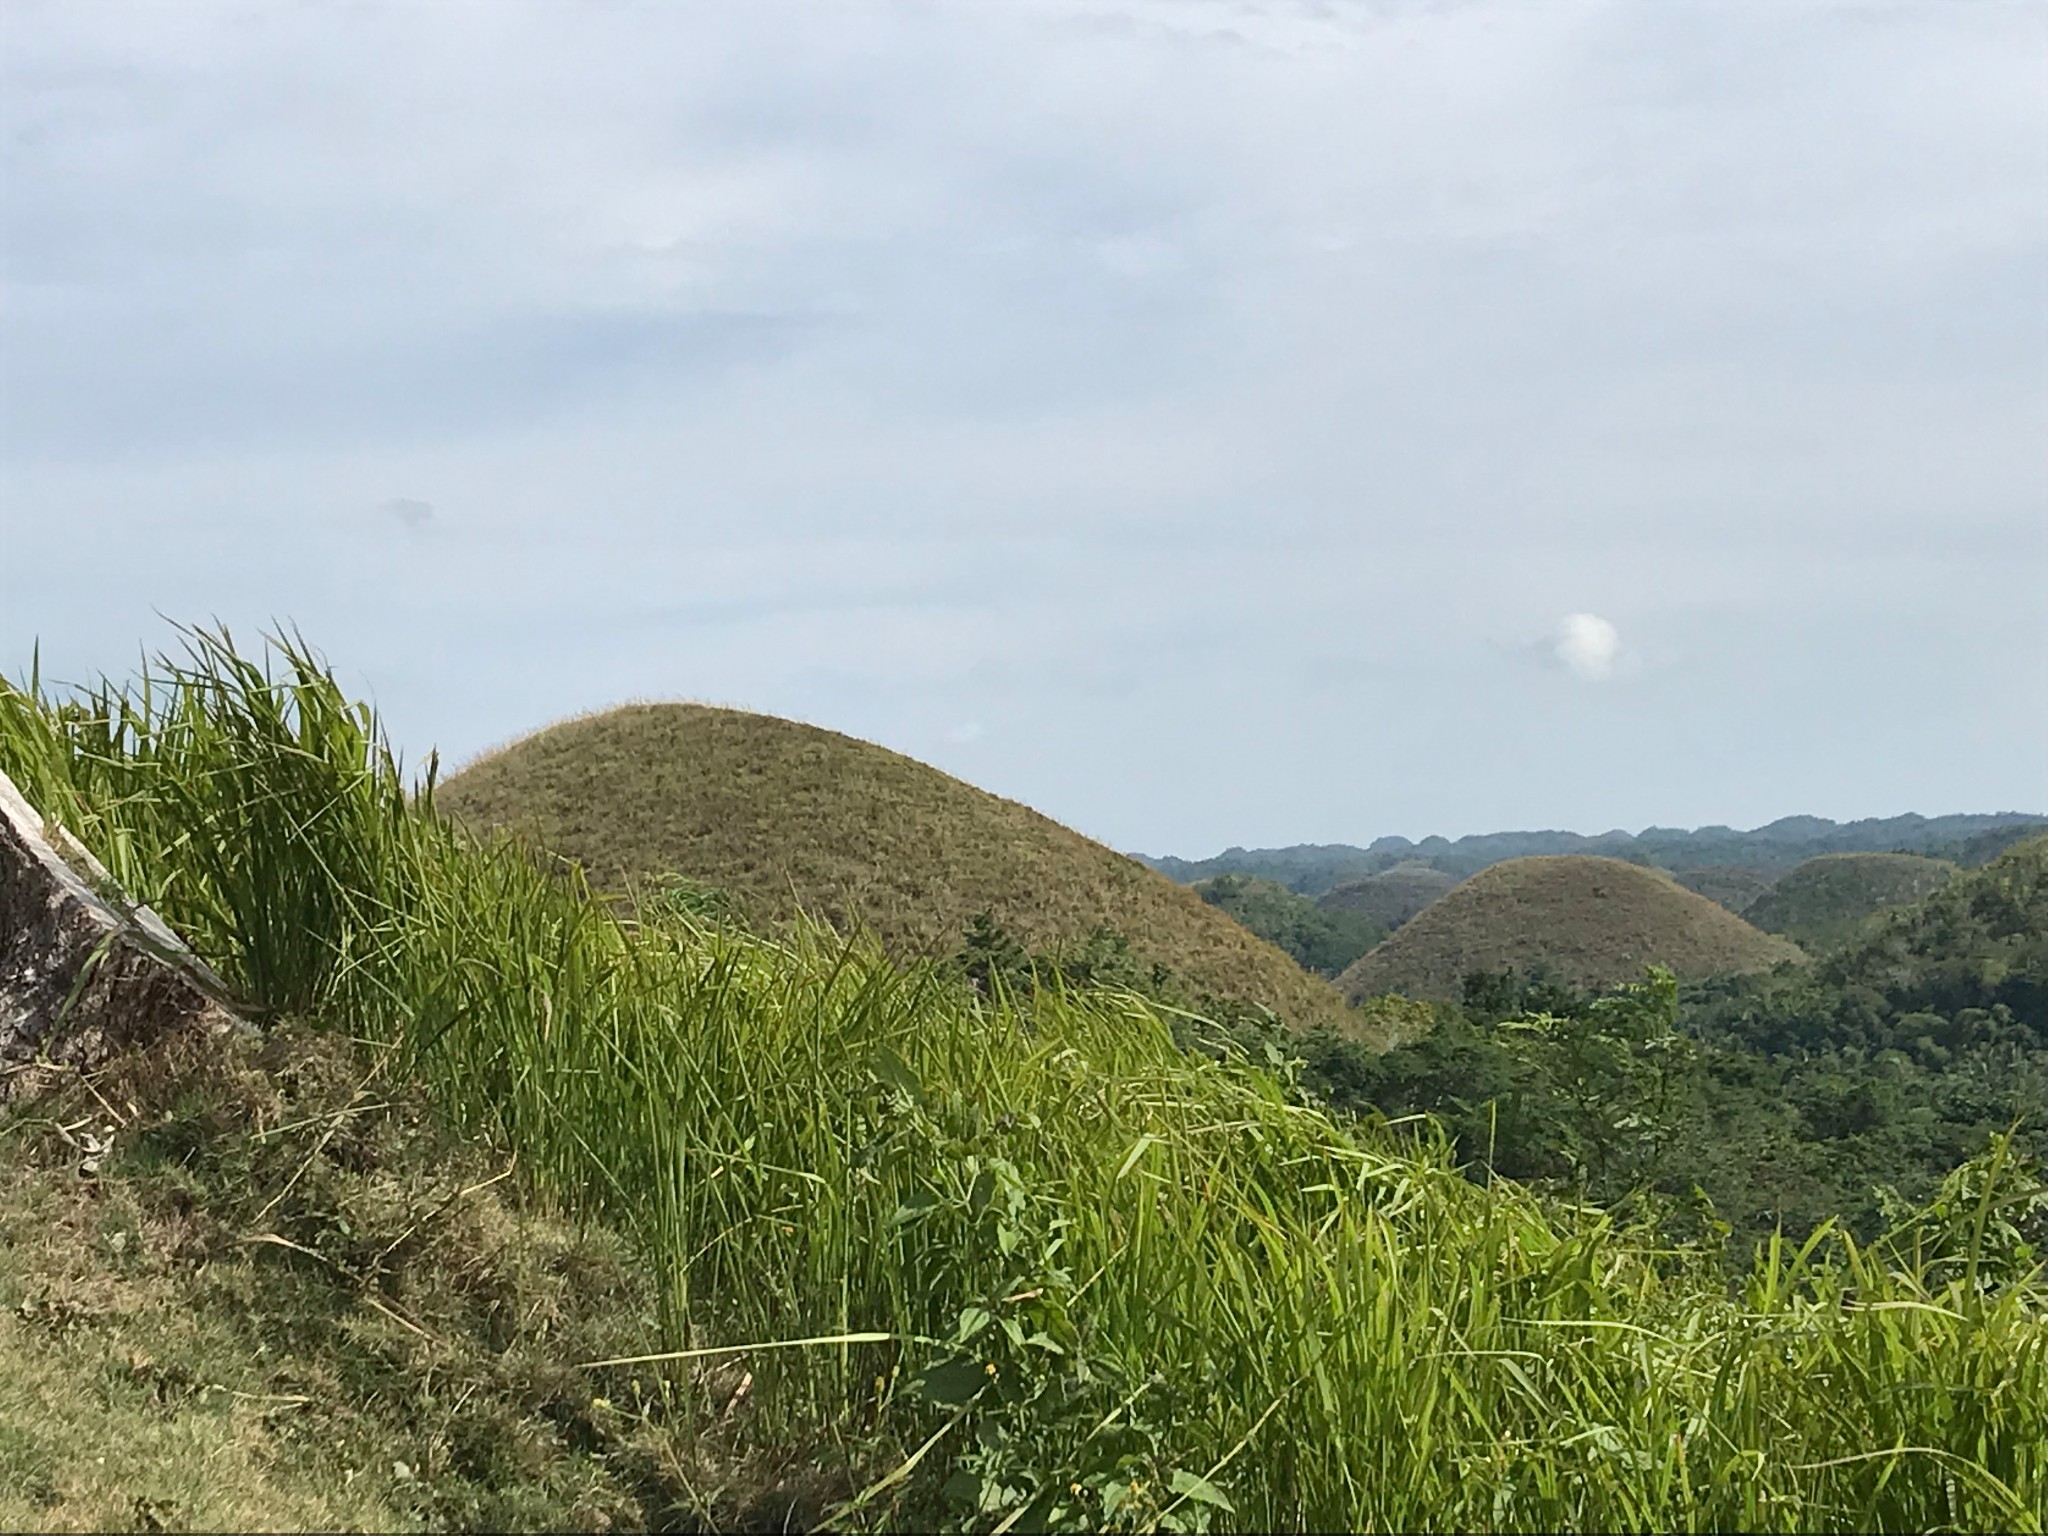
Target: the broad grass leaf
(1201, 1490)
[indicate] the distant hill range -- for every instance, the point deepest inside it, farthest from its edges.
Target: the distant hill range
(771, 817)
(1748, 861)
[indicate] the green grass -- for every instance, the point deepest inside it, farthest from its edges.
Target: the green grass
(1013, 1261)
(1588, 921)
(790, 819)
(1828, 901)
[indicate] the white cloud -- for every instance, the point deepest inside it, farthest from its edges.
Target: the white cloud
(1587, 645)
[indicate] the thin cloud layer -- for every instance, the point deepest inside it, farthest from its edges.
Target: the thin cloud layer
(1225, 385)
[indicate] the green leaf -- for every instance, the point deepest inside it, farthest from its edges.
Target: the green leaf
(915, 1204)
(1131, 1161)
(972, 1321)
(982, 1192)
(1201, 1490)
(895, 1071)
(950, 1383)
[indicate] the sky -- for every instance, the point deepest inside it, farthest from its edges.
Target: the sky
(1209, 423)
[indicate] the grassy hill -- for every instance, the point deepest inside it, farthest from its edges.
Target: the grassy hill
(1827, 900)
(1589, 921)
(1390, 899)
(787, 817)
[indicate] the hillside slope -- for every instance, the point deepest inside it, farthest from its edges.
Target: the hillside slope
(1826, 900)
(1390, 899)
(1318, 938)
(1726, 885)
(785, 816)
(1590, 921)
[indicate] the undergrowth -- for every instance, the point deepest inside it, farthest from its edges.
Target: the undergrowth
(1010, 1262)
(256, 1285)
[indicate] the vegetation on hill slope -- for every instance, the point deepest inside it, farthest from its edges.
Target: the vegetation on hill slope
(1827, 900)
(1590, 922)
(1980, 848)
(1726, 885)
(1389, 899)
(787, 818)
(1021, 1261)
(1320, 940)
(1834, 1092)
(272, 1293)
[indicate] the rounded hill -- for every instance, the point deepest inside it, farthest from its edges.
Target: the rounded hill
(1827, 900)
(1589, 921)
(1734, 886)
(784, 817)
(1391, 897)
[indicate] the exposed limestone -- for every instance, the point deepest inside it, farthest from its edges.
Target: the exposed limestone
(84, 973)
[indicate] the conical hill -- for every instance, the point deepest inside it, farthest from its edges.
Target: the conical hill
(786, 817)
(1828, 899)
(1590, 921)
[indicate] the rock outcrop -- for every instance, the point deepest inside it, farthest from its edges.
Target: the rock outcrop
(84, 973)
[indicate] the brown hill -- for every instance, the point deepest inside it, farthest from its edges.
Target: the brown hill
(1391, 897)
(786, 817)
(1591, 921)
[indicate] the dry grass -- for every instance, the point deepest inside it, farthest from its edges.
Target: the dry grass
(282, 1298)
(789, 817)
(1593, 922)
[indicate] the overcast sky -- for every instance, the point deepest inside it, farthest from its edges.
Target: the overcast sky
(1209, 423)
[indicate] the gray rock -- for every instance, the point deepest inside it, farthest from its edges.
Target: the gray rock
(84, 972)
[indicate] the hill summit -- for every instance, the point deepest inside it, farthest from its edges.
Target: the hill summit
(1589, 921)
(1825, 901)
(785, 817)
(1391, 898)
